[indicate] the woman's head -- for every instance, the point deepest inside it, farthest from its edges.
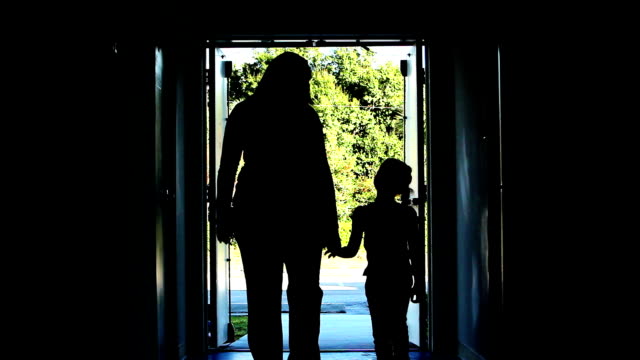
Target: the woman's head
(394, 177)
(287, 75)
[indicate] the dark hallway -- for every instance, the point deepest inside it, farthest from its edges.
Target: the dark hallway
(149, 272)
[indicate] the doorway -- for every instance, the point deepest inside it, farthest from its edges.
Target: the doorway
(342, 281)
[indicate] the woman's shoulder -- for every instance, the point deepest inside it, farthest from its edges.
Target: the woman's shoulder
(243, 110)
(243, 106)
(311, 111)
(360, 210)
(309, 107)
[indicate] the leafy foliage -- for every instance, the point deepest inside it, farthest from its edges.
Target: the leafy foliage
(361, 108)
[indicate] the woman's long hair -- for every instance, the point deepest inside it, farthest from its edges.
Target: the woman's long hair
(287, 76)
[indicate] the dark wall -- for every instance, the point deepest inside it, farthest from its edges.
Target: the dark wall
(165, 153)
(556, 122)
(132, 243)
(476, 109)
(465, 199)
(184, 107)
(138, 123)
(547, 101)
(442, 199)
(108, 95)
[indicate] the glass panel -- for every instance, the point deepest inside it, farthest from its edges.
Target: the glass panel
(219, 252)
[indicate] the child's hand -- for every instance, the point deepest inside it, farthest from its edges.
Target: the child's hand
(334, 244)
(335, 252)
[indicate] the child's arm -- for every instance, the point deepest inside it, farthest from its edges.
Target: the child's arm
(355, 239)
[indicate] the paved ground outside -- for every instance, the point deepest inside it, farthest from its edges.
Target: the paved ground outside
(345, 320)
(337, 332)
(341, 280)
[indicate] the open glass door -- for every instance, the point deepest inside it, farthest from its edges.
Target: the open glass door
(414, 155)
(218, 252)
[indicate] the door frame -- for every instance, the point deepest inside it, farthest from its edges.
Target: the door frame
(219, 108)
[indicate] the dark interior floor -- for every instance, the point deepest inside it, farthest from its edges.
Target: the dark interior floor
(342, 337)
(328, 355)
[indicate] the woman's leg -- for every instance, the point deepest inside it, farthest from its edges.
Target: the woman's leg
(305, 299)
(263, 274)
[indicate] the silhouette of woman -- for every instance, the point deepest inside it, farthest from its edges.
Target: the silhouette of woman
(283, 211)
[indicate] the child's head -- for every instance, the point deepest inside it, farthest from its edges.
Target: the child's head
(394, 177)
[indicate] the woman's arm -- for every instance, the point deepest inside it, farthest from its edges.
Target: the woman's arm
(326, 189)
(357, 232)
(229, 162)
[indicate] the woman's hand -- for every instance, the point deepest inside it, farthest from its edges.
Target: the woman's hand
(333, 244)
(224, 222)
(339, 252)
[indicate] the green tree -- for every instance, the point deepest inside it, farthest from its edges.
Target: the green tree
(361, 108)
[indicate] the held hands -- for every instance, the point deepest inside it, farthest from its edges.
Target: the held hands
(334, 246)
(339, 252)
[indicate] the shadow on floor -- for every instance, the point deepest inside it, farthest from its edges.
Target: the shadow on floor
(334, 355)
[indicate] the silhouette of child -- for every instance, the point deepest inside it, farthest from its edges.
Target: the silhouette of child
(391, 239)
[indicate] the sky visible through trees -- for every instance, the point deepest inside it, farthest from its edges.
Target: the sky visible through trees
(383, 54)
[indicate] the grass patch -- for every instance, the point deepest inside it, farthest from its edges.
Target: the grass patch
(239, 325)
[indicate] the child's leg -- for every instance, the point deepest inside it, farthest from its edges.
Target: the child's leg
(376, 298)
(398, 305)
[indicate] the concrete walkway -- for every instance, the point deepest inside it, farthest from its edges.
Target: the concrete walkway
(325, 356)
(337, 332)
